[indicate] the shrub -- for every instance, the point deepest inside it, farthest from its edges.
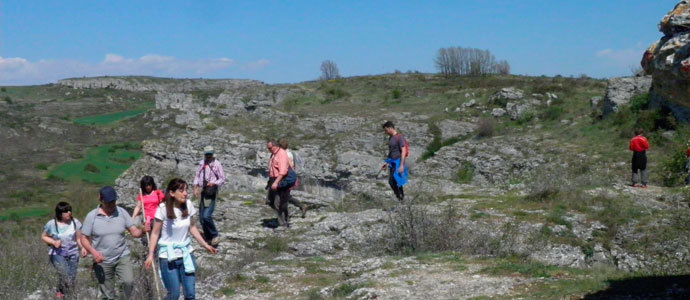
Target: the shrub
(276, 244)
(653, 120)
(673, 168)
(486, 127)
(337, 93)
(525, 118)
(346, 289)
(465, 173)
(639, 102)
(396, 94)
(415, 229)
(552, 113)
(8, 99)
(41, 166)
(91, 168)
(3, 89)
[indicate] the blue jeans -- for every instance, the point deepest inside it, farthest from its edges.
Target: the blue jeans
(66, 267)
(172, 273)
(206, 219)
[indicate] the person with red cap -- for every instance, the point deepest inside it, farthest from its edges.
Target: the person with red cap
(639, 145)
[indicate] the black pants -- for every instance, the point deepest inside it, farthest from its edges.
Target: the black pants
(284, 196)
(398, 190)
(639, 163)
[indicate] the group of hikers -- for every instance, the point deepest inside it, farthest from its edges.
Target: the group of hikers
(169, 222)
(168, 219)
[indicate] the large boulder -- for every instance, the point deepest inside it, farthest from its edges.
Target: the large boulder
(620, 90)
(506, 94)
(668, 61)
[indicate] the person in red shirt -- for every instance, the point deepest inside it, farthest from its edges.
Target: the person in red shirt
(148, 200)
(639, 145)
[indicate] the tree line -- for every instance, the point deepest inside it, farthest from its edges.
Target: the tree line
(449, 61)
(469, 61)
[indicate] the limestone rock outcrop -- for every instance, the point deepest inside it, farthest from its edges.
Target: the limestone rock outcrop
(668, 61)
(142, 84)
(620, 90)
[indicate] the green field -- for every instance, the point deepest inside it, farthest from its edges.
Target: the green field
(101, 165)
(23, 212)
(109, 118)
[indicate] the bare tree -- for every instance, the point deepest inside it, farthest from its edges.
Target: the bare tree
(468, 61)
(442, 61)
(502, 67)
(329, 70)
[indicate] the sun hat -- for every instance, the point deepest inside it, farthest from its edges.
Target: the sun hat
(208, 150)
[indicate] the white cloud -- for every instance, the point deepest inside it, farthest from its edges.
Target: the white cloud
(623, 58)
(19, 71)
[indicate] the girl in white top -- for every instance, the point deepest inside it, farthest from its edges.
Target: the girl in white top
(172, 226)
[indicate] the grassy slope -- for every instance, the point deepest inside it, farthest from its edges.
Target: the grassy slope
(101, 165)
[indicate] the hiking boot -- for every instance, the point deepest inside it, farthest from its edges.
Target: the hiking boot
(304, 211)
(634, 185)
(59, 295)
(215, 241)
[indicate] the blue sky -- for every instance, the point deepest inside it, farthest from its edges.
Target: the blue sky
(286, 41)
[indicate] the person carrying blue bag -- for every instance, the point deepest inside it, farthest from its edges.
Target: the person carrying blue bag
(398, 150)
(281, 177)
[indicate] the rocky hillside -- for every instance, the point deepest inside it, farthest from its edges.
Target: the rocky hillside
(519, 185)
(502, 168)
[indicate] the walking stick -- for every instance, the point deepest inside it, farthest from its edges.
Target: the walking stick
(148, 240)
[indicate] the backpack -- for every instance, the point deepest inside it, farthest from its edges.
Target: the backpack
(405, 151)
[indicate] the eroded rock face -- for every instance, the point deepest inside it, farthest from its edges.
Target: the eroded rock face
(668, 61)
(620, 90)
